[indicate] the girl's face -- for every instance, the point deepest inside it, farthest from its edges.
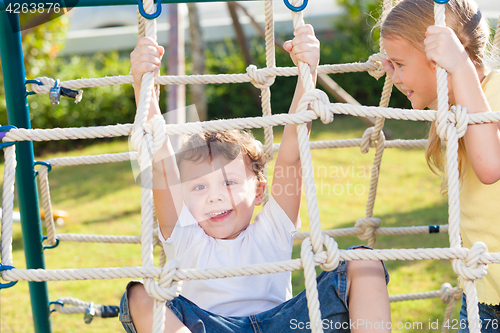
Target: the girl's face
(413, 74)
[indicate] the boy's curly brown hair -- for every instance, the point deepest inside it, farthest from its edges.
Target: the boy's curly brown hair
(229, 144)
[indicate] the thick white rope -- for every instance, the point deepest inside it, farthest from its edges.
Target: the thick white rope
(470, 270)
(253, 122)
(360, 229)
(377, 138)
(78, 306)
(446, 293)
(373, 65)
(127, 156)
(9, 178)
(367, 229)
(265, 90)
(43, 180)
(265, 87)
(146, 141)
(39, 275)
(314, 244)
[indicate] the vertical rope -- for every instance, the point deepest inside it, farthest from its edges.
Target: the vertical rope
(141, 30)
(43, 180)
(142, 142)
(266, 92)
(380, 139)
(453, 180)
(9, 179)
(378, 136)
(442, 78)
(307, 258)
(159, 316)
(447, 315)
(310, 192)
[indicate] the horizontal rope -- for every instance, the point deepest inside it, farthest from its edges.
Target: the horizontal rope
(69, 237)
(380, 231)
(74, 133)
(77, 306)
(349, 143)
(92, 159)
(447, 293)
(39, 275)
(48, 83)
(415, 296)
(123, 157)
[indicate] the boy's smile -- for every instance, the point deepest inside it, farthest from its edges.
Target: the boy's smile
(221, 195)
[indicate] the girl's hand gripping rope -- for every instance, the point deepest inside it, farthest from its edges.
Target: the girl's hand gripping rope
(443, 48)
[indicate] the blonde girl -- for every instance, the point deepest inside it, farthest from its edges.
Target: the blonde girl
(414, 45)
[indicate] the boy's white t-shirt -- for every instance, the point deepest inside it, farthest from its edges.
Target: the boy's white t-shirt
(268, 239)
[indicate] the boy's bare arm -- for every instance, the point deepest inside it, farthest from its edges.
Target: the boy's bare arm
(146, 57)
(287, 180)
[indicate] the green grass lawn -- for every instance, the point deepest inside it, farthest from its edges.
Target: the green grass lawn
(103, 199)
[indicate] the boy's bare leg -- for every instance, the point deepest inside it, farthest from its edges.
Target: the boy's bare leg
(141, 311)
(369, 309)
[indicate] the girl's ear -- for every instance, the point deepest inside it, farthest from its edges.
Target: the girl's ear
(259, 195)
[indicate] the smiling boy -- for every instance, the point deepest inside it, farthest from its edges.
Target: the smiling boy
(205, 197)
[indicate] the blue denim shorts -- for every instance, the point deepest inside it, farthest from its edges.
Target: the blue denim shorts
(289, 316)
(488, 314)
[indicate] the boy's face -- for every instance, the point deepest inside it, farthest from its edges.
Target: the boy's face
(221, 195)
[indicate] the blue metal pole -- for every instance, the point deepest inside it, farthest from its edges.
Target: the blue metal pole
(11, 54)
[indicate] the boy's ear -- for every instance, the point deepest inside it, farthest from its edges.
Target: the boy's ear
(260, 193)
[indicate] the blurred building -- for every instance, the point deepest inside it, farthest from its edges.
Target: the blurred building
(94, 29)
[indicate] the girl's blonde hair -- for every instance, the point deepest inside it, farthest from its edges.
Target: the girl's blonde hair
(409, 20)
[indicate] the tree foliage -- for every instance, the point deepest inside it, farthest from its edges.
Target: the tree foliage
(41, 45)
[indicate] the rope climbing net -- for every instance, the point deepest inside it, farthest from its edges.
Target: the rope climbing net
(318, 247)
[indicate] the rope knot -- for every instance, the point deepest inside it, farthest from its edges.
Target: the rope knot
(461, 119)
(377, 61)
(371, 137)
(156, 128)
(167, 288)
(258, 78)
(369, 225)
(328, 260)
(449, 293)
(366, 140)
(319, 102)
(332, 254)
(470, 268)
